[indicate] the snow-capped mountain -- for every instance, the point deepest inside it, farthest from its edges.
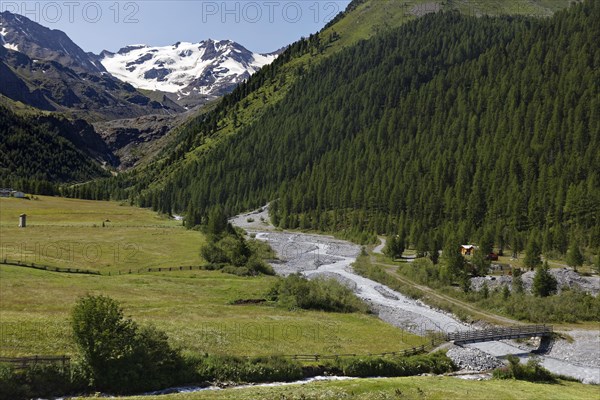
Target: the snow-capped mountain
(21, 34)
(206, 69)
(45, 69)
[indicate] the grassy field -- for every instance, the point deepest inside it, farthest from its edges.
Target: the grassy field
(193, 307)
(69, 233)
(441, 388)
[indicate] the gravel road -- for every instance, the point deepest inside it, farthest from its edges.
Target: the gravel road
(315, 255)
(379, 248)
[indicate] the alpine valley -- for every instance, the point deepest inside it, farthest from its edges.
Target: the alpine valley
(410, 195)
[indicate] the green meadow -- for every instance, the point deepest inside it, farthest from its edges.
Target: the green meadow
(100, 236)
(195, 308)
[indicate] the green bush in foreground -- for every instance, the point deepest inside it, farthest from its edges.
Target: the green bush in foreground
(325, 294)
(118, 356)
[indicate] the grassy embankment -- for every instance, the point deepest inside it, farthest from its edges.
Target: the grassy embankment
(401, 388)
(194, 307)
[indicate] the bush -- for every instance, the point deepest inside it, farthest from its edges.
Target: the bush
(119, 356)
(217, 368)
(213, 254)
(325, 294)
(40, 381)
(436, 363)
(532, 371)
(258, 266)
(232, 254)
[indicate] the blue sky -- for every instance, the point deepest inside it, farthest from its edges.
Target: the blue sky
(259, 25)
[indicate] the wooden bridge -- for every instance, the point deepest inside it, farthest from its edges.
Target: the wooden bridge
(493, 334)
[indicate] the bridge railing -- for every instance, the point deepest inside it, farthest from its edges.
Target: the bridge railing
(500, 332)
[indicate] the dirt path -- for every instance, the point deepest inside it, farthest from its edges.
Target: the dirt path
(493, 318)
(379, 248)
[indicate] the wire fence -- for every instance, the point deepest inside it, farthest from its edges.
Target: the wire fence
(128, 271)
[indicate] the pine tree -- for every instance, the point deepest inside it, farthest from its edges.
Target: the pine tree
(532, 253)
(217, 221)
(517, 282)
(574, 256)
(455, 262)
(394, 247)
(481, 263)
(544, 284)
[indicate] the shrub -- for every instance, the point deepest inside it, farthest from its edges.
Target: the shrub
(258, 266)
(231, 253)
(326, 294)
(218, 368)
(40, 381)
(118, 356)
(436, 363)
(213, 253)
(532, 371)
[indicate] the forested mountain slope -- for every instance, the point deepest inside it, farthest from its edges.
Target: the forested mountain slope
(34, 153)
(250, 100)
(449, 124)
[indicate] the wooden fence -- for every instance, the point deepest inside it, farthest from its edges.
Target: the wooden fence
(26, 362)
(49, 268)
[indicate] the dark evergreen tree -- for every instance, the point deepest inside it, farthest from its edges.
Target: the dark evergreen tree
(532, 253)
(544, 284)
(574, 256)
